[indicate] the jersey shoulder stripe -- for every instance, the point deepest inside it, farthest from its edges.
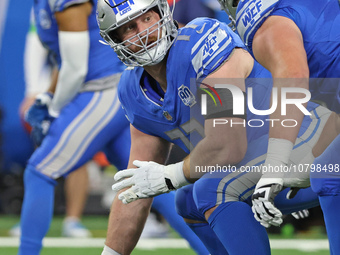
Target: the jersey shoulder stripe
(250, 15)
(204, 43)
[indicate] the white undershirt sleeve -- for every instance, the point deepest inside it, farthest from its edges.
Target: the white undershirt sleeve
(37, 72)
(74, 50)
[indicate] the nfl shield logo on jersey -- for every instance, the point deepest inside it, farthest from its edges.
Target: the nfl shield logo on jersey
(167, 115)
(186, 96)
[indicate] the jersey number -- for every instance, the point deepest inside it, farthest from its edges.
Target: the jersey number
(186, 129)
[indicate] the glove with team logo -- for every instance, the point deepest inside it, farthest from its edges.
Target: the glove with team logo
(39, 118)
(149, 179)
(271, 183)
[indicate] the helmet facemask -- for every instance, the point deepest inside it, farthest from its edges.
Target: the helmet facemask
(152, 44)
(230, 6)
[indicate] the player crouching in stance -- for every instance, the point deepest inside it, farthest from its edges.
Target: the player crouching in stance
(159, 94)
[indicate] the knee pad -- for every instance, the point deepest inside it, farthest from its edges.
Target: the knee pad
(185, 204)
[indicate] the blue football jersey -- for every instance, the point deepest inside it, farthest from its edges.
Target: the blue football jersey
(319, 23)
(100, 65)
(201, 47)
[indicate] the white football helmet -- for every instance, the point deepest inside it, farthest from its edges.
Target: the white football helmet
(112, 14)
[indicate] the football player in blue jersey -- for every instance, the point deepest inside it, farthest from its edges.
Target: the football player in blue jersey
(38, 74)
(160, 96)
(298, 40)
(77, 119)
(81, 117)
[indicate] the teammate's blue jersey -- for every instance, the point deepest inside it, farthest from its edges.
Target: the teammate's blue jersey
(319, 23)
(200, 48)
(100, 65)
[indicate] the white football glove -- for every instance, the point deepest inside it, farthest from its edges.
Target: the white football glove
(149, 179)
(263, 202)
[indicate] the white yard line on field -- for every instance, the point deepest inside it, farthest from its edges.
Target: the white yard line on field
(167, 243)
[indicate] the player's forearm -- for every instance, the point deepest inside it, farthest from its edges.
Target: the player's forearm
(292, 97)
(74, 51)
(285, 127)
(34, 64)
(287, 62)
(145, 147)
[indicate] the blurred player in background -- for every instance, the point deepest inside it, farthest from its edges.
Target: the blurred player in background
(79, 115)
(300, 41)
(38, 73)
(187, 10)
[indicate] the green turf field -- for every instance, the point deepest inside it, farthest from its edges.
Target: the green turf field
(97, 225)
